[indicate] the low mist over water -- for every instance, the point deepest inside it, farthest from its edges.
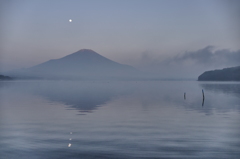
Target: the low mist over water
(119, 119)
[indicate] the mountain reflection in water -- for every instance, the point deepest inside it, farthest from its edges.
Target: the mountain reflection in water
(123, 119)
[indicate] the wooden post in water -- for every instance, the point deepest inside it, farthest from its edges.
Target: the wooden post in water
(184, 95)
(203, 98)
(203, 94)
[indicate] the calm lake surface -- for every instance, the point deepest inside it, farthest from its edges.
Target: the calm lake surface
(119, 119)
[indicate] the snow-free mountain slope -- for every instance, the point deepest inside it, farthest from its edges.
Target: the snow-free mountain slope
(83, 63)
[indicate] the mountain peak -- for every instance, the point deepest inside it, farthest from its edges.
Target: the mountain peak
(83, 53)
(85, 50)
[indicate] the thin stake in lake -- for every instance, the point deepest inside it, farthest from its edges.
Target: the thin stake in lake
(203, 98)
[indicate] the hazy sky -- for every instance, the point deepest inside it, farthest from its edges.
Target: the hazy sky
(147, 34)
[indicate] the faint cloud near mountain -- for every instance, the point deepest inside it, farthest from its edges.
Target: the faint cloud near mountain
(191, 63)
(207, 56)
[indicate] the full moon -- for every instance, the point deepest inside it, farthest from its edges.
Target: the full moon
(70, 20)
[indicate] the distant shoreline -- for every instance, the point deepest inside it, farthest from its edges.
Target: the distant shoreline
(226, 74)
(2, 77)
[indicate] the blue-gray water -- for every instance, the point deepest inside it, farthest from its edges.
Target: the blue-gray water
(115, 120)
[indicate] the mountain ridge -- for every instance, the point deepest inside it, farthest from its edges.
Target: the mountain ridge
(226, 74)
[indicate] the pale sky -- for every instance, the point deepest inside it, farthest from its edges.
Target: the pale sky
(126, 31)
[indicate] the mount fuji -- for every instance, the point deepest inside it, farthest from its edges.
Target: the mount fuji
(83, 64)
